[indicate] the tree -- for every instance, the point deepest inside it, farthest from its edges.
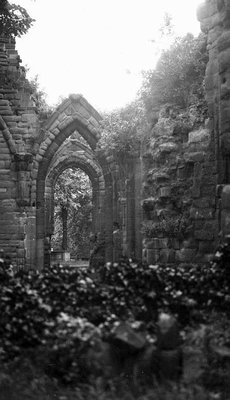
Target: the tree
(122, 130)
(179, 74)
(14, 20)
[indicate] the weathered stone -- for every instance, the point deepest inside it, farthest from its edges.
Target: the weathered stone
(185, 255)
(152, 256)
(165, 191)
(194, 157)
(189, 243)
(151, 243)
(199, 136)
(201, 213)
(126, 339)
(168, 147)
(203, 235)
(167, 256)
(168, 335)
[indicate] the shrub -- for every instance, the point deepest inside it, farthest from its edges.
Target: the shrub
(176, 226)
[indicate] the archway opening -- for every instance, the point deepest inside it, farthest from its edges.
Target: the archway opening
(73, 219)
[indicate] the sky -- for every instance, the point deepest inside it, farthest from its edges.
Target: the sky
(97, 48)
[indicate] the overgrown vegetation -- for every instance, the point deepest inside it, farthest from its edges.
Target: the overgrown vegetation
(167, 226)
(55, 317)
(179, 75)
(122, 131)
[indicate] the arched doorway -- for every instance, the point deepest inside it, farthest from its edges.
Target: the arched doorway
(73, 206)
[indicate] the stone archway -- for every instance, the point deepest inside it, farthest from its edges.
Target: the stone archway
(74, 114)
(93, 171)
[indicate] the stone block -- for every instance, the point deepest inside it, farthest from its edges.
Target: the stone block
(201, 213)
(223, 42)
(151, 243)
(9, 204)
(67, 121)
(185, 255)
(181, 173)
(167, 256)
(12, 118)
(168, 147)
(175, 244)
(203, 235)
(165, 192)
(199, 136)
(152, 256)
(4, 103)
(126, 339)
(5, 111)
(201, 203)
(30, 118)
(163, 243)
(189, 244)
(194, 157)
(168, 337)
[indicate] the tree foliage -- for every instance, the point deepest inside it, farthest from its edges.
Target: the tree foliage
(14, 19)
(179, 74)
(122, 130)
(73, 191)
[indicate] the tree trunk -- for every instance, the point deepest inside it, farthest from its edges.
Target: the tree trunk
(64, 212)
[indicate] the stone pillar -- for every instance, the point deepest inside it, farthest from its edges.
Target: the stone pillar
(64, 214)
(23, 164)
(214, 18)
(225, 214)
(138, 208)
(30, 239)
(108, 223)
(40, 229)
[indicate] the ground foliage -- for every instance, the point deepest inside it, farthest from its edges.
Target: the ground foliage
(60, 312)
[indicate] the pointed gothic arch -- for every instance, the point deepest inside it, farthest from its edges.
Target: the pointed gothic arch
(74, 114)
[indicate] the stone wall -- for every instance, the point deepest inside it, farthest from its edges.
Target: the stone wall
(192, 162)
(179, 188)
(214, 16)
(33, 151)
(18, 125)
